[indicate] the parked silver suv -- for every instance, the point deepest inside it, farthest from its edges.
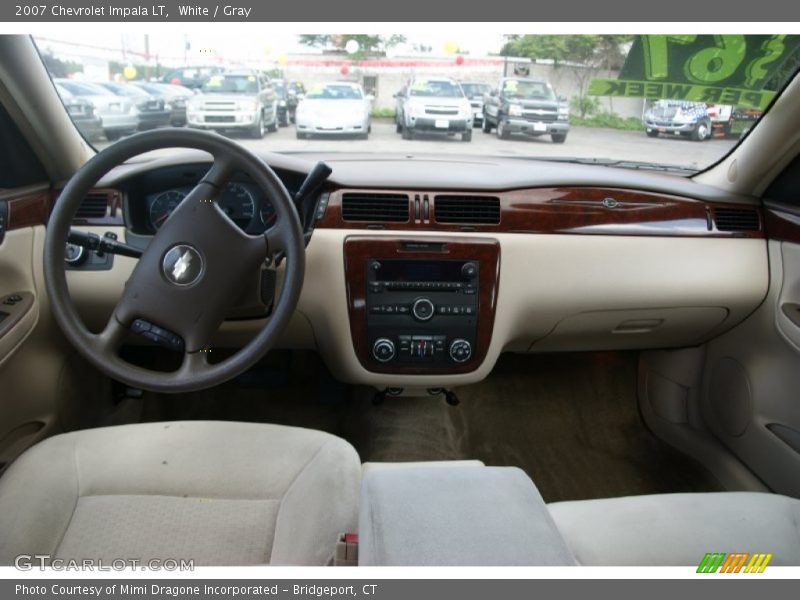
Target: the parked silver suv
(235, 100)
(433, 105)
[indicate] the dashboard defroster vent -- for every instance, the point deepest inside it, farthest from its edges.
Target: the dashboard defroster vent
(736, 219)
(476, 210)
(94, 206)
(375, 207)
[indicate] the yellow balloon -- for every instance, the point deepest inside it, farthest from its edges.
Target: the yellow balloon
(129, 72)
(282, 59)
(450, 47)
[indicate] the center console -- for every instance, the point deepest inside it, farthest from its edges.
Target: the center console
(423, 305)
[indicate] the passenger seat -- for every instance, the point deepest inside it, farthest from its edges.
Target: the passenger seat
(679, 529)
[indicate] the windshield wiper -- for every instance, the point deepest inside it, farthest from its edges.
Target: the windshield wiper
(623, 164)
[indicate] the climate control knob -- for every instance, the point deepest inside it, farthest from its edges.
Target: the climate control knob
(383, 350)
(460, 350)
(422, 309)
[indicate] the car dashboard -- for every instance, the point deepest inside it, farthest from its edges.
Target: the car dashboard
(421, 271)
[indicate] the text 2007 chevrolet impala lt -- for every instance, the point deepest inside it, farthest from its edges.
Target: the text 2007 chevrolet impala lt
(237, 351)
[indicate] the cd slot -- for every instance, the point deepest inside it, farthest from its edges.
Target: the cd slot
(428, 286)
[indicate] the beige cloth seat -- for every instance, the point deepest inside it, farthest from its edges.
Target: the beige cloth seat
(679, 529)
(216, 492)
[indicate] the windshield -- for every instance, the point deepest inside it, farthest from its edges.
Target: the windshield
(475, 89)
(527, 90)
(230, 84)
(84, 89)
(435, 88)
(677, 103)
(334, 92)
(122, 89)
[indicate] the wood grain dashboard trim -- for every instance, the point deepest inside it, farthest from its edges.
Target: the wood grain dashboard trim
(565, 210)
(29, 210)
(359, 249)
(782, 225)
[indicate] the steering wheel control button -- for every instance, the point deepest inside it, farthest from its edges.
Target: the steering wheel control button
(422, 309)
(460, 350)
(159, 335)
(383, 350)
(182, 265)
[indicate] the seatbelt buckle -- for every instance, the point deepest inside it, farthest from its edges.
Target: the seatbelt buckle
(346, 554)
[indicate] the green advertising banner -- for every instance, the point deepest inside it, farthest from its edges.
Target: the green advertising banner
(680, 91)
(716, 69)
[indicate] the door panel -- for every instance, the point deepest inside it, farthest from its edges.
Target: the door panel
(31, 349)
(751, 379)
(19, 306)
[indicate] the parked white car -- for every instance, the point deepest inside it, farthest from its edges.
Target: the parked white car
(336, 108)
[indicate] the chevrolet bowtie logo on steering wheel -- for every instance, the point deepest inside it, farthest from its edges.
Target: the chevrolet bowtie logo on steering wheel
(182, 265)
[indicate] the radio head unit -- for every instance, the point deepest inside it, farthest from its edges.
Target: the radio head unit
(422, 311)
(421, 306)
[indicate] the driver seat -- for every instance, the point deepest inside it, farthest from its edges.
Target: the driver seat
(220, 493)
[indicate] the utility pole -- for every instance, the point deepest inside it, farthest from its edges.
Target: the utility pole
(147, 57)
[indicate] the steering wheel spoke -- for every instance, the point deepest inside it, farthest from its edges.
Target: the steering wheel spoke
(194, 363)
(111, 338)
(278, 240)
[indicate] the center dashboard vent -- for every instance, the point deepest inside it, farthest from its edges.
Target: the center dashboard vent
(736, 219)
(94, 206)
(480, 210)
(375, 207)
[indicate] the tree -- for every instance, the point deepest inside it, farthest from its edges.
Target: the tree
(367, 44)
(583, 55)
(604, 51)
(60, 68)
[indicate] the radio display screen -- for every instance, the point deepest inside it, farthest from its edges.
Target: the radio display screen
(419, 270)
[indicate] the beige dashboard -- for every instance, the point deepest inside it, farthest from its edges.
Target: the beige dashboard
(648, 262)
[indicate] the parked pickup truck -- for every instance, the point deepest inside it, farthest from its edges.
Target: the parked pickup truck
(678, 118)
(525, 106)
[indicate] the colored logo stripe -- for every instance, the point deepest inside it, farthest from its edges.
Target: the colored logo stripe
(711, 562)
(735, 562)
(758, 563)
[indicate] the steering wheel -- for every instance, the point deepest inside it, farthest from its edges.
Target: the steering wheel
(191, 273)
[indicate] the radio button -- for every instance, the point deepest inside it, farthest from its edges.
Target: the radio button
(469, 270)
(422, 309)
(460, 350)
(383, 350)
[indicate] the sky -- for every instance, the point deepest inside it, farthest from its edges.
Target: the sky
(233, 45)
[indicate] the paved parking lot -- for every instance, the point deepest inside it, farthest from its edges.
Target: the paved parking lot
(581, 142)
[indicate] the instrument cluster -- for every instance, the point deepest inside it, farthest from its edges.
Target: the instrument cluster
(241, 201)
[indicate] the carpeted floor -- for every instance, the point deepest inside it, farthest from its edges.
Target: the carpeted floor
(569, 420)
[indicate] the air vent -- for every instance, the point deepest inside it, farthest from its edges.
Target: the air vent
(94, 206)
(375, 207)
(481, 210)
(736, 219)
